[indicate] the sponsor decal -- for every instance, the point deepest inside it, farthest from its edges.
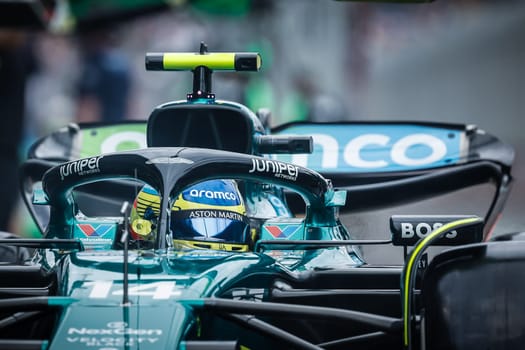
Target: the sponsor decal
(275, 167)
(282, 231)
(110, 343)
(422, 229)
(115, 334)
(90, 230)
(378, 148)
(95, 235)
(111, 138)
(113, 328)
(122, 141)
(409, 229)
(212, 194)
(80, 167)
(215, 214)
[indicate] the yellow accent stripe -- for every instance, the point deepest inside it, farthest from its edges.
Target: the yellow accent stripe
(144, 203)
(148, 197)
(212, 245)
(420, 246)
(189, 61)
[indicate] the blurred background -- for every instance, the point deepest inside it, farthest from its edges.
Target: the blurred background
(450, 61)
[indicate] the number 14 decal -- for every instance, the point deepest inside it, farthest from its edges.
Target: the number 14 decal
(155, 290)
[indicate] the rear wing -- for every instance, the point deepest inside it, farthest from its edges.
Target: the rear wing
(76, 141)
(380, 164)
(384, 164)
(354, 153)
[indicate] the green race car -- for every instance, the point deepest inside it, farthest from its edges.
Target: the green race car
(205, 228)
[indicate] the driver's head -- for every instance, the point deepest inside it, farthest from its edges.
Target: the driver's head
(209, 215)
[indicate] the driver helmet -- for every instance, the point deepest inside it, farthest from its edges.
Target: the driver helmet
(208, 215)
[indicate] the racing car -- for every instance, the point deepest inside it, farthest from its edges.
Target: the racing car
(205, 228)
